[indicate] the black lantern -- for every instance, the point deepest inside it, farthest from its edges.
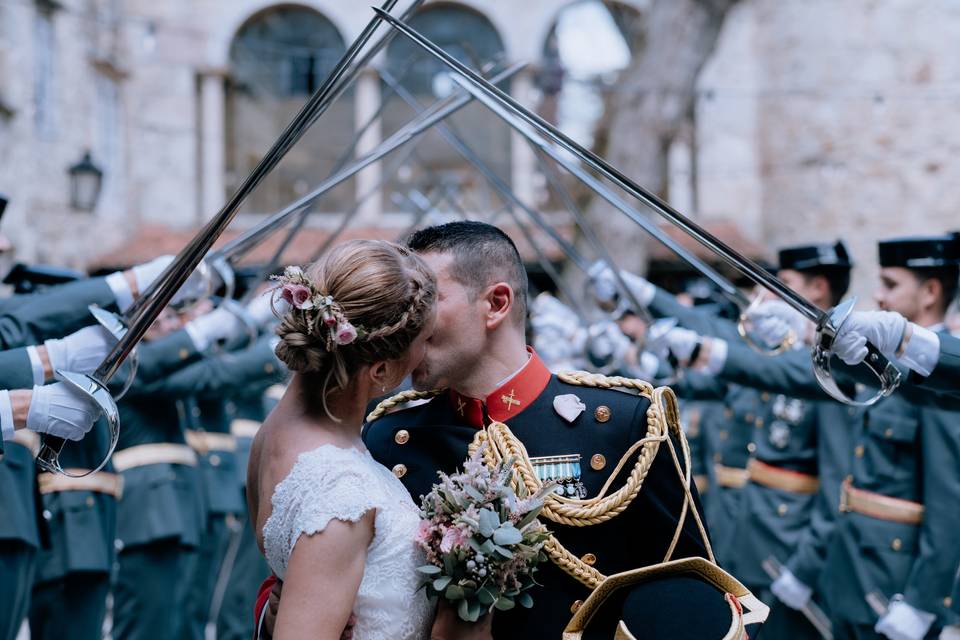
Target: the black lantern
(85, 181)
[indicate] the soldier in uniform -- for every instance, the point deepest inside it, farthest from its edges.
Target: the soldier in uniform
(575, 431)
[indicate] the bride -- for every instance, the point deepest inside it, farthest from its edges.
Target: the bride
(336, 527)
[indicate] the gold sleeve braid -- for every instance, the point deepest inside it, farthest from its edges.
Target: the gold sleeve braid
(386, 406)
(662, 419)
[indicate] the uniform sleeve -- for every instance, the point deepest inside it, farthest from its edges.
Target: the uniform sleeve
(16, 372)
(789, 373)
(932, 574)
(695, 385)
(833, 453)
(704, 322)
(54, 313)
(222, 373)
(946, 375)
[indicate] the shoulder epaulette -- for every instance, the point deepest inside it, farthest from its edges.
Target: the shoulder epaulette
(598, 381)
(403, 400)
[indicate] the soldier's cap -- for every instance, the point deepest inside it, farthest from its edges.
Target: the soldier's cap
(920, 252)
(811, 256)
(26, 278)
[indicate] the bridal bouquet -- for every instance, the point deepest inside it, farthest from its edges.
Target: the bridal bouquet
(482, 540)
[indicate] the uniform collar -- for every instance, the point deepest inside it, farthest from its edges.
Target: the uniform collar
(514, 394)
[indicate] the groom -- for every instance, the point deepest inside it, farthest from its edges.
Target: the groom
(479, 355)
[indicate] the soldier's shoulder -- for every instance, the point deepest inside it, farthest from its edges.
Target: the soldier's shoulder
(607, 389)
(408, 407)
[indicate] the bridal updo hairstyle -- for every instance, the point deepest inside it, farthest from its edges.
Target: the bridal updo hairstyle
(383, 289)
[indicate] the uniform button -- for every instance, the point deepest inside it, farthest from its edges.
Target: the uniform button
(46, 514)
(723, 435)
(576, 605)
(589, 558)
(765, 396)
(195, 412)
(859, 451)
(400, 470)
(888, 433)
(118, 544)
(748, 417)
(214, 460)
(782, 510)
(268, 368)
(948, 602)
(184, 354)
(728, 413)
(897, 544)
(759, 423)
(602, 413)
(90, 501)
(597, 462)
(752, 447)
(402, 436)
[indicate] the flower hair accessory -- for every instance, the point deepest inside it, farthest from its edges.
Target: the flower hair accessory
(320, 309)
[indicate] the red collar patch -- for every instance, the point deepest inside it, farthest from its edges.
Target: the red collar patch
(512, 397)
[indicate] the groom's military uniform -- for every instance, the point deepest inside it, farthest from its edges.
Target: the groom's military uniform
(582, 450)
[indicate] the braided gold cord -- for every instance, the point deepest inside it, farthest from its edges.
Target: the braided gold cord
(401, 398)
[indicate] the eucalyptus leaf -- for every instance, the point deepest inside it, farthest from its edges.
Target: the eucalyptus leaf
(488, 547)
(429, 569)
(504, 604)
(441, 583)
(463, 610)
(530, 517)
(473, 493)
(486, 596)
(507, 534)
(489, 521)
(506, 553)
(453, 592)
(525, 600)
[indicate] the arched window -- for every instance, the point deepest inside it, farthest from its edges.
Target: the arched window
(277, 59)
(471, 38)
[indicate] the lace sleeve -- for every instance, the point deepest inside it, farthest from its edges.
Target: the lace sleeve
(325, 484)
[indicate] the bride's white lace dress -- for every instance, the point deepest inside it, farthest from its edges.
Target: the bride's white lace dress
(330, 483)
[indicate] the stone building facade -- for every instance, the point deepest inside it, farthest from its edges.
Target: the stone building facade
(814, 118)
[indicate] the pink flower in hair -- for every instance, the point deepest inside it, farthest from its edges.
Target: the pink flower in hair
(346, 333)
(297, 295)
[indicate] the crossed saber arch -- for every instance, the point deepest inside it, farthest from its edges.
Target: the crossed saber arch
(147, 307)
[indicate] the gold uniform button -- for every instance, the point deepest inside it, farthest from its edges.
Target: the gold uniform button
(759, 423)
(765, 396)
(575, 606)
(400, 470)
(782, 510)
(897, 544)
(948, 602)
(859, 451)
(728, 413)
(402, 436)
(888, 433)
(184, 354)
(602, 414)
(722, 434)
(589, 559)
(214, 460)
(90, 501)
(751, 447)
(268, 368)
(597, 462)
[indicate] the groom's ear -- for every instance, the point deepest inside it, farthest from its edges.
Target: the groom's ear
(499, 298)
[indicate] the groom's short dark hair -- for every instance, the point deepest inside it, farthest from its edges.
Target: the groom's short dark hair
(482, 254)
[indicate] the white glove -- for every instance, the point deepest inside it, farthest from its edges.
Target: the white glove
(790, 591)
(682, 342)
(605, 287)
(950, 632)
(82, 351)
(773, 320)
(882, 329)
(607, 344)
(144, 274)
(219, 324)
(261, 310)
(903, 622)
(194, 287)
(61, 410)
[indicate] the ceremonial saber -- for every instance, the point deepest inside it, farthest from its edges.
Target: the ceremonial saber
(827, 323)
(437, 112)
(811, 611)
(148, 306)
(511, 198)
